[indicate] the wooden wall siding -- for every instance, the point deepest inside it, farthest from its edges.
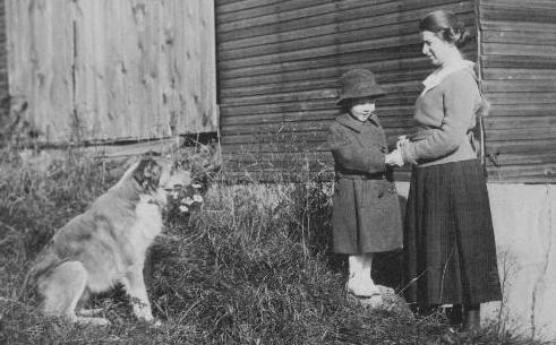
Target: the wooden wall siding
(279, 62)
(3, 56)
(518, 45)
(109, 70)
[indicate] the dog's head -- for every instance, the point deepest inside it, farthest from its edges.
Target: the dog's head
(147, 174)
(173, 177)
(170, 184)
(154, 173)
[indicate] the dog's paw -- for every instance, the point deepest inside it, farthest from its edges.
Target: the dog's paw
(143, 311)
(92, 321)
(100, 321)
(152, 322)
(89, 312)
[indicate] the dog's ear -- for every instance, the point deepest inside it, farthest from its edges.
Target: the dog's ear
(147, 174)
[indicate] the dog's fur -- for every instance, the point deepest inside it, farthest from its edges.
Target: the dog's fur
(107, 244)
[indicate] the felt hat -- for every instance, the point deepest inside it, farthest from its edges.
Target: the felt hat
(357, 83)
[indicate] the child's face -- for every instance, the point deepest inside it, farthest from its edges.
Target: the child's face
(361, 108)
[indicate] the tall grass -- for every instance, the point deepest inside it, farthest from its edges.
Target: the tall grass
(252, 266)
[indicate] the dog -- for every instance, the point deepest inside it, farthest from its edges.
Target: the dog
(107, 244)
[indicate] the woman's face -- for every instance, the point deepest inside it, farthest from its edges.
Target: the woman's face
(361, 108)
(435, 48)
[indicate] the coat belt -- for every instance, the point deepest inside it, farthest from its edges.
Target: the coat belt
(359, 176)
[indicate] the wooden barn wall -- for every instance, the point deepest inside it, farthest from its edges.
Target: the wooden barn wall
(279, 62)
(3, 56)
(112, 70)
(518, 57)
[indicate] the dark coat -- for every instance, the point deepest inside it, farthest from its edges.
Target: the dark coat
(366, 215)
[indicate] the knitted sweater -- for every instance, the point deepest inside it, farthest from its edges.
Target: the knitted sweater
(445, 113)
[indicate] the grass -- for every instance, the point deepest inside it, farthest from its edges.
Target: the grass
(251, 266)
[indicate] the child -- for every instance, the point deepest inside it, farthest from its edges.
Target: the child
(366, 215)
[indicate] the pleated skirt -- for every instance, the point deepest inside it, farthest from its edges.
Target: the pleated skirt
(449, 244)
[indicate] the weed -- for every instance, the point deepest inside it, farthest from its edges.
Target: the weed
(251, 266)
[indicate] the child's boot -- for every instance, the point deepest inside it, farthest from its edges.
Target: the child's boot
(360, 282)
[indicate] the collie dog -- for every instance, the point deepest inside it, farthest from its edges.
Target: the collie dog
(107, 244)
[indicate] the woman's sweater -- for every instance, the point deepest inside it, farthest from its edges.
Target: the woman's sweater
(445, 113)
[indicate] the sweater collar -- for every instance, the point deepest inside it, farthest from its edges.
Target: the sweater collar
(436, 77)
(354, 124)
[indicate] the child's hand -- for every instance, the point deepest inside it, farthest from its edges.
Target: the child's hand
(394, 158)
(402, 140)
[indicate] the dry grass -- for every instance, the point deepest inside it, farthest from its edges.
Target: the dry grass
(250, 267)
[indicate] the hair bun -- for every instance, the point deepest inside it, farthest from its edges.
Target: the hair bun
(447, 25)
(461, 37)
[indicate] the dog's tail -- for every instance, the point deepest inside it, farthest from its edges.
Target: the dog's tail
(43, 264)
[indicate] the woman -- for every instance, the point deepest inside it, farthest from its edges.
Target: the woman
(450, 254)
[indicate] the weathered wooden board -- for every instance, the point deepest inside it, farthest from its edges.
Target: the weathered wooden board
(279, 62)
(518, 44)
(105, 70)
(3, 56)
(40, 58)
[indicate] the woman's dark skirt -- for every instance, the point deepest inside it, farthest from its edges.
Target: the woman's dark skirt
(450, 252)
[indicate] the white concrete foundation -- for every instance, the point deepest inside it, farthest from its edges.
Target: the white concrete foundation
(524, 218)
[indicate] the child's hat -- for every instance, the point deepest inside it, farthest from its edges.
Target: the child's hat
(357, 83)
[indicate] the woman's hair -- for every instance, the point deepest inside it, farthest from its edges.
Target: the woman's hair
(445, 25)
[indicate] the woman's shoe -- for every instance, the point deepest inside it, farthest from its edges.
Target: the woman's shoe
(472, 318)
(455, 315)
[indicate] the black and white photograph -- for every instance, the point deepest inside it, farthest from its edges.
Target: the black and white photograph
(278, 172)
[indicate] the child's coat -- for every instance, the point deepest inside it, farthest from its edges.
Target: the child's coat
(366, 216)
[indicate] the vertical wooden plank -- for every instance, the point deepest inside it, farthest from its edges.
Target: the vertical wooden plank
(60, 57)
(208, 65)
(17, 35)
(172, 56)
(89, 71)
(3, 54)
(39, 38)
(143, 69)
(126, 47)
(42, 52)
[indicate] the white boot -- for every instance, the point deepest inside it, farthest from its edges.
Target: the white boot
(360, 282)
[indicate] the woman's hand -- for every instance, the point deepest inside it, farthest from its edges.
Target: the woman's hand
(402, 140)
(394, 158)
